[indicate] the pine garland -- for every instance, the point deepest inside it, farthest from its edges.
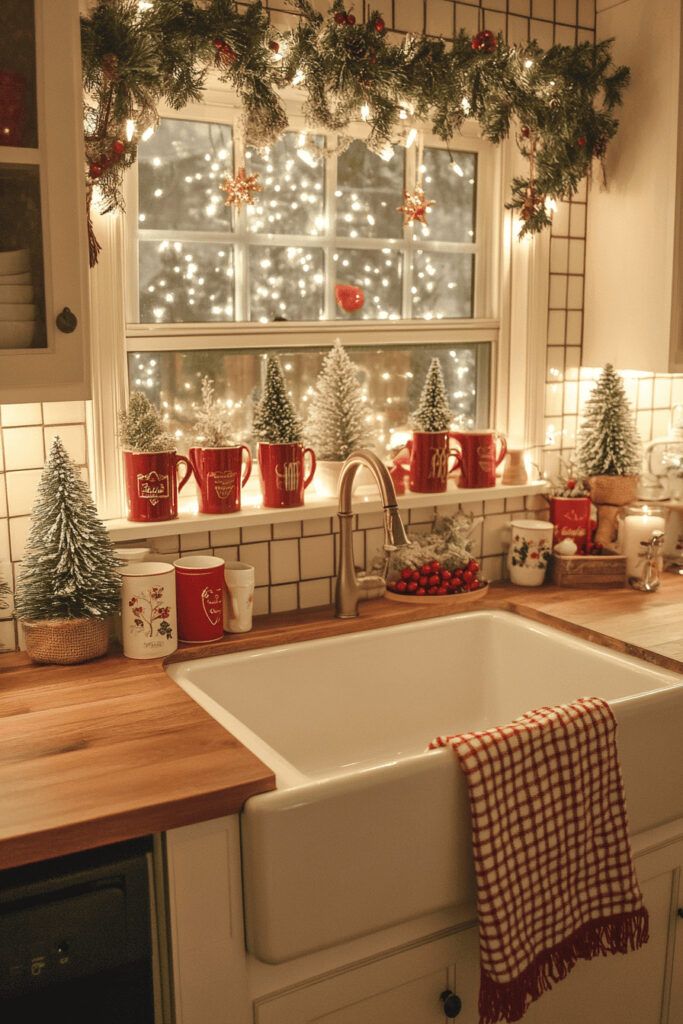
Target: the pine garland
(140, 427)
(212, 422)
(69, 571)
(275, 421)
(608, 443)
(560, 104)
(433, 411)
(336, 420)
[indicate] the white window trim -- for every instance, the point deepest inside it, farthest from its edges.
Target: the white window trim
(513, 292)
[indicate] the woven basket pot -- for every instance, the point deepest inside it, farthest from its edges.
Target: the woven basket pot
(613, 490)
(65, 641)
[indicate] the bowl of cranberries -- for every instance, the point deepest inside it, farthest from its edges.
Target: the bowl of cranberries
(434, 582)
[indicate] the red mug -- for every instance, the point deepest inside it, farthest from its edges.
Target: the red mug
(282, 474)
(12, 108)
(152, 485)
(428, 454)
(220, 478)
(200, 586)
(478, 456)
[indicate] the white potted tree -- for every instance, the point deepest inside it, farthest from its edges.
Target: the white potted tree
(336, 420)
(68, 583)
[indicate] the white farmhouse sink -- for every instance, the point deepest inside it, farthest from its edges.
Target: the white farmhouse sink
(366, 829)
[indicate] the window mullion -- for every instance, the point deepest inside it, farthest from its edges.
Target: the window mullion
(407, 276)
(330, 228)
(241, 254)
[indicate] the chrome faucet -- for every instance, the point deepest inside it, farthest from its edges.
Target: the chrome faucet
(351, 589)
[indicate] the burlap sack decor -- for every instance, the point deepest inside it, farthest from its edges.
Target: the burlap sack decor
(613, 490)
(65, 641)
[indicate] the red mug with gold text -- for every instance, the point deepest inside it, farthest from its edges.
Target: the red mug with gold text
(428, 456)
(200, 587)
(481, 452)
(221, 474)
(152, 485)
(283, 478)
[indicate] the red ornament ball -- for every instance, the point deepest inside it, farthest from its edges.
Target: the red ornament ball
(581, 141)
(349, 297)
(95, 170)
(340, 18)
(525, 132)
(274, 45)
(379, 25)
(118, 147)
(218, 43)
(350, 19)
(484, 42)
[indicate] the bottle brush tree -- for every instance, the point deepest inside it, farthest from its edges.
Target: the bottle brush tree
(69, 570)
(336, 421)
(433, 411)
(275, 421)
(212, 422)
(608, 443)
(141, 428)
(5, 594)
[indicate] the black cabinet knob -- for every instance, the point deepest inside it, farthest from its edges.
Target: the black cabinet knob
(66, 321)
(680, 911)
(452, 1004)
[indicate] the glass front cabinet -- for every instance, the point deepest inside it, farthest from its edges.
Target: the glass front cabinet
(44, 324)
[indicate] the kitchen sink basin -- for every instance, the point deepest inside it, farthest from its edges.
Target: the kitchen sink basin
(367, 828)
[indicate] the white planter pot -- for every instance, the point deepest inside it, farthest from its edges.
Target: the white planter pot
(326, 480)
(529, 553)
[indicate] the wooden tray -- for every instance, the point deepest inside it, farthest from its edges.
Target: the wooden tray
(453, 601)
(607, 570)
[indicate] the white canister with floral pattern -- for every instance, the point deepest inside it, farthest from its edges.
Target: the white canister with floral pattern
(530, 549)
(149, 623)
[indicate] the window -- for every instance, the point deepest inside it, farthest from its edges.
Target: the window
(210, 287)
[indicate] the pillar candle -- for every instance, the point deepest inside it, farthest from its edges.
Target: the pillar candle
(638, 528)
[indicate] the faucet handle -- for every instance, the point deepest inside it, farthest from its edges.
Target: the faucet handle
(394, 532)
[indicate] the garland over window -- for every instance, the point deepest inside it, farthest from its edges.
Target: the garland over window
(560, 103)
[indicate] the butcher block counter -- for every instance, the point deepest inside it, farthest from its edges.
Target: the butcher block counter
(113, 749)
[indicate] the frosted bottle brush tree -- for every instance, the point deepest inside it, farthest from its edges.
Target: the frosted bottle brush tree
(433, 412)
(275, 420)
(212, 423)
(336, 420)
(141, 428)
(608, 443)
(69, 570)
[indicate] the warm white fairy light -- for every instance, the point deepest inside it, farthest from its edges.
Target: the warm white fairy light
(410, 138)
(364, 112)
(130, 129)
(148, 133)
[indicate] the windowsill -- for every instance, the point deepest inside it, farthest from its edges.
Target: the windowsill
(366, 499)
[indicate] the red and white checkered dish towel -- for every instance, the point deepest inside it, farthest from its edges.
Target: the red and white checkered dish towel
(555, 878)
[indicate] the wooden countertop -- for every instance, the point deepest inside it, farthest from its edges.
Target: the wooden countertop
(113, 749)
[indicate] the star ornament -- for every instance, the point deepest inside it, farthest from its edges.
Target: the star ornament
(240, 190)
(415, 206)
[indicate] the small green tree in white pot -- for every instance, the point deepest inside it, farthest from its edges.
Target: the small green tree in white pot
(608, 451)
(150, 462)
(336, 420)
(68, 583)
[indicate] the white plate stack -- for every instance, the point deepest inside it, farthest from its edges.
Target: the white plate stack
(17, 308)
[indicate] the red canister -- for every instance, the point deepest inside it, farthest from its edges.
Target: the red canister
(283, 478)
(481, 452)
(200, 589)
(221, 474)
(152, 485)
(428, 456)
(571, 518)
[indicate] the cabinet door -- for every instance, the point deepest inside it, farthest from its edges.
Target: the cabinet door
(400, 988)
(43, 235)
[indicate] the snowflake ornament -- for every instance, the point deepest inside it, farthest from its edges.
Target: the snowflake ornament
(240, 190)
(415, 206)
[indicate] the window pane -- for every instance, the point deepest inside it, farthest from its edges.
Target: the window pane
(293, 179)
(181, 169)
(368, 191)
(391, 377)
(450, 180)
(186, 282)
(377, 272)
(286, 283)
(442, 284)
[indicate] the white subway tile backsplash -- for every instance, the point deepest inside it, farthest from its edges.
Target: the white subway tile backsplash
(63, 412)
(317, 557)
(160, 545)
(283, 531)
(253, 534)
(194, 542)
(284, 561)
(19, 527)
(283, 598)
(7, 637)
(73, 439)
(21, 415)
(261, 605)
(316, 527)
(23, 447)
(221, 538)
(21, 490)
(313, 593)
(258, 556)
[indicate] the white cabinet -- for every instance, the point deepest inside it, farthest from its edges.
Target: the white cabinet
(43, 233)
(634, 251)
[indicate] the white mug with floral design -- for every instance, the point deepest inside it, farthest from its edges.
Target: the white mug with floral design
(149, 624)
(530, 549)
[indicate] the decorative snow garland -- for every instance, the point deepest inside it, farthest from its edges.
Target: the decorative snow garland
(559, 103)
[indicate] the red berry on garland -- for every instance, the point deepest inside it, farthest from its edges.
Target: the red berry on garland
(379, 25)
(581, 141)
(95, 170)
(340, 18)
(484, 42)
(118, 147)
(415, 575)
(435, 565)
(218, 43)
(350, 19)
(468, 576)
(446, 575)
(434, 580)
(473, 565)
(274, 45)
(412, 587)
(422, 581)
(426, 569)
(401, 587)
(407, 573)
(525, 132)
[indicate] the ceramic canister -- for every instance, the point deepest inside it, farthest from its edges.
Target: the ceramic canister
(529, 553)
(148, 610)
(429, 461)
(481, 452)
(200, 588)
(283, 477)
(221, 474)
(152, 485)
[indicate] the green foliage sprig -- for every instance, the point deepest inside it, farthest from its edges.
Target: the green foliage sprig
(560, 103)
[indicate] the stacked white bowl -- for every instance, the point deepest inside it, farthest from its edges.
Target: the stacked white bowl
(17, 308)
